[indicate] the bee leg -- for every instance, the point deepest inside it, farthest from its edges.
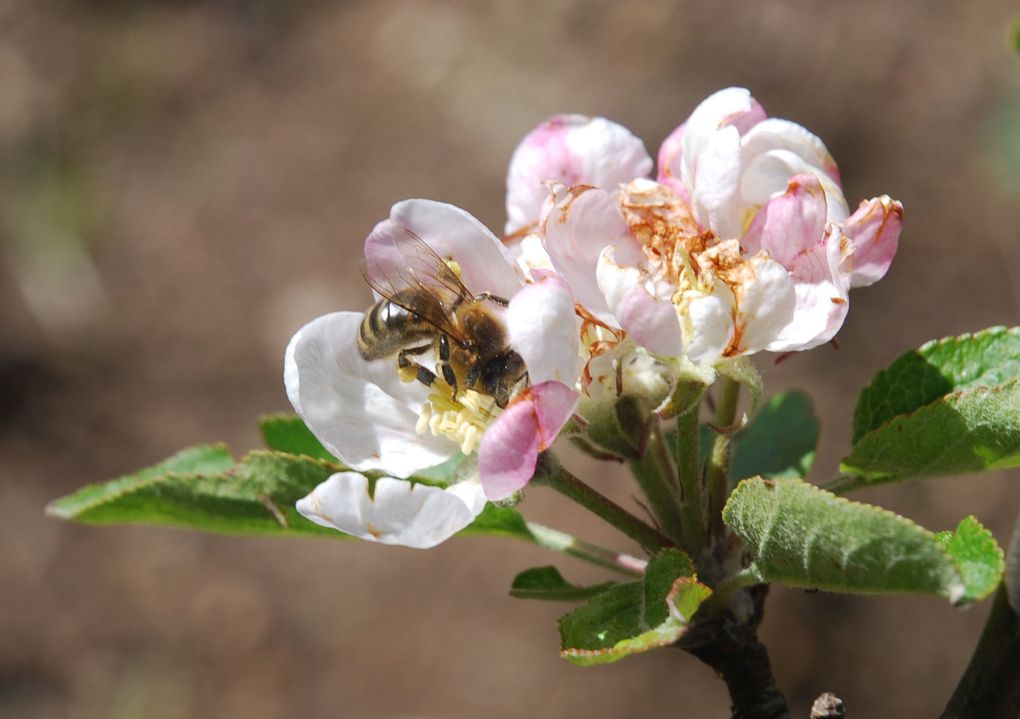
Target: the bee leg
(495, 299)
(409, 370)
(443, 365)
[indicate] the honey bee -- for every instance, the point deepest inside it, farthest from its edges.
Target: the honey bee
(433, 310)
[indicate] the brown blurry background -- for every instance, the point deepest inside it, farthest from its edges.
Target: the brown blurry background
(183, 184)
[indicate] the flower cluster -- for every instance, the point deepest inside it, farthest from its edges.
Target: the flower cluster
(743, 242)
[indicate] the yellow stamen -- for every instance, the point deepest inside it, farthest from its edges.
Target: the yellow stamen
(462, 420)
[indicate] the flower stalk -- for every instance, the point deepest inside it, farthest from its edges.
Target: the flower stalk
(657, 478)
(552, 474)
(717, 473)
(688, 439)
(559, 541)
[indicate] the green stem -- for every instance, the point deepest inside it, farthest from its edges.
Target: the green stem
(551, 473)
(559, 541)
(747, 577)
(719, 462)
(842, 484)
(688, 439)
(656, 475)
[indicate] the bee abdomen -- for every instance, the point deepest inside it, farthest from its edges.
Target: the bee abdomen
(386, 329)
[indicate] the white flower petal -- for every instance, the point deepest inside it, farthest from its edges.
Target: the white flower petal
(768, 175)
(485, 264)
(814, 315)
(532, 257)
(580, 223)
(732, 106)
(646, 312)
(708, 326)
(778, 134)
(403, 513)
(360, 411)
(766, 305)
(716, 184)
(572, 150)
(544, 329)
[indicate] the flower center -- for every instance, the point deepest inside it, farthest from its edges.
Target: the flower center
(462, 420)
(668, 233)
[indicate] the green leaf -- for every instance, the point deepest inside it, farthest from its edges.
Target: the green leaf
(970, 431)
(938, 368)
(635, 616)
(978, 557)
(256, 496)
(288, 433)
(441, 474)
(663, 570)
(780, 441)
(202, 488)
(802, 536)
(501, 521)
(548, 583)
(206, 459)
(742, 370)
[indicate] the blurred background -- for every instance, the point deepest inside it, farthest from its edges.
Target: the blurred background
(184, 184)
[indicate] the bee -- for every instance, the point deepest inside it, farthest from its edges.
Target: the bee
(433, 310)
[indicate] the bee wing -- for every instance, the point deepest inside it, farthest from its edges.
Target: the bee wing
(410, 262)
(433, 302)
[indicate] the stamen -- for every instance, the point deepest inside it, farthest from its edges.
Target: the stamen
(462, 420)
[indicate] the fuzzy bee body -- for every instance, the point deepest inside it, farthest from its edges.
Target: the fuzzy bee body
(433, 310)
(388, 327)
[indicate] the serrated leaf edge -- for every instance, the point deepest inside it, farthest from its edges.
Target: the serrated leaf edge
(924, 349)
(956, 395)
(954, 593)
(53, 509)
(666, 633)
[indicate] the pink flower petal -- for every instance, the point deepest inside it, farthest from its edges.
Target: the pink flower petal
(510, 446)
(391, 253)
(822, 296)
(572, 150)
(769, 174)
(874, 230)
(649, 317)
(791, 223)
(670, 162)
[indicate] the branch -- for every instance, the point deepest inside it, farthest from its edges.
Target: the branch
(991, 685)
(732, 649)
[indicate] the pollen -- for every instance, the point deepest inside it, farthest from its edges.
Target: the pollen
(462, 420)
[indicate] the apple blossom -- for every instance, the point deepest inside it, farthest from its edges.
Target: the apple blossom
(371, 418)
(745, 242)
